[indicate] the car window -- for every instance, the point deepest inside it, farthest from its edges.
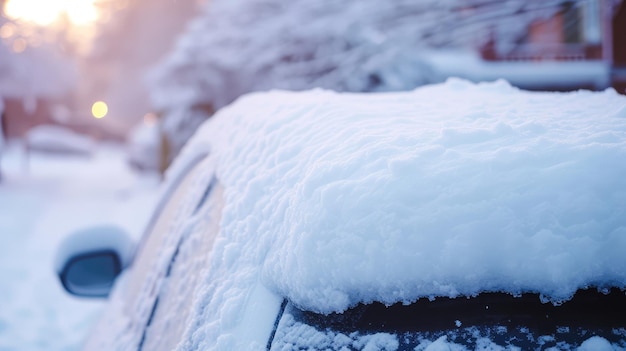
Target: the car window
(158, 246)
(180, 285)
(490, 321)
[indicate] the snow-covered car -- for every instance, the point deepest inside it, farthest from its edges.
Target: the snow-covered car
(57, 139)
(453, 217)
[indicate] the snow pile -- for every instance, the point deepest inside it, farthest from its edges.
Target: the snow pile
(448, 190)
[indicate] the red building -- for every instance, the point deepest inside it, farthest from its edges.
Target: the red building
(591, 30)
(21, 114)
(618, 54)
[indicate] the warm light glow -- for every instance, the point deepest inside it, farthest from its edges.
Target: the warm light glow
(35, 41)
(19, 45)
(46, 12)
(149, 119)
(99, 109)
(7, 30)
(121, 4)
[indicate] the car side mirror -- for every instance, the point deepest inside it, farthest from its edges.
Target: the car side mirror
(89, 260)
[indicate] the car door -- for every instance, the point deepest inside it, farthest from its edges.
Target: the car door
(153, 307)
(176, 313)
(174, 298)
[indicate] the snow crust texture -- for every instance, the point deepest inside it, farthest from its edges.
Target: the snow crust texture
(451, 189)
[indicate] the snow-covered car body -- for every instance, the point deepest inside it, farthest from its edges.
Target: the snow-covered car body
(315, 220)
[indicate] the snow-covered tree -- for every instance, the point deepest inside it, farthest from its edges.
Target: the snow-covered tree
(239, 46)
(244, 45)
(37, 72)
(31, 71)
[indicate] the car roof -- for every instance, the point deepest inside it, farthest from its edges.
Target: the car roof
(335, 199)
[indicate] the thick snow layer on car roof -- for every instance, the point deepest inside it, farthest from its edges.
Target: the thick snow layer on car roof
(448, 190)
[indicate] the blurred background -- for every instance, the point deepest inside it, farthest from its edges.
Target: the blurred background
(105, 68)
(98, 96)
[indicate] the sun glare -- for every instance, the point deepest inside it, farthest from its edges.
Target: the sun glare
(46, 12)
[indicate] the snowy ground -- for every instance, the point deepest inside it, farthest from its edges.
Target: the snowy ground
(42, 200)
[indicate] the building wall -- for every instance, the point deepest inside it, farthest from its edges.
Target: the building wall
(22, 115)
(619, 36)
(548, 31)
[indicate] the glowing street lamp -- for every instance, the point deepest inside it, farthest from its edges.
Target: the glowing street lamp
(99, 109)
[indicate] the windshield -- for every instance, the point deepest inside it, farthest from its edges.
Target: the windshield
(492, 321)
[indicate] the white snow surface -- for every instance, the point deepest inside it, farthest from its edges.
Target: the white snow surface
(448, 190)
(43, 199)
